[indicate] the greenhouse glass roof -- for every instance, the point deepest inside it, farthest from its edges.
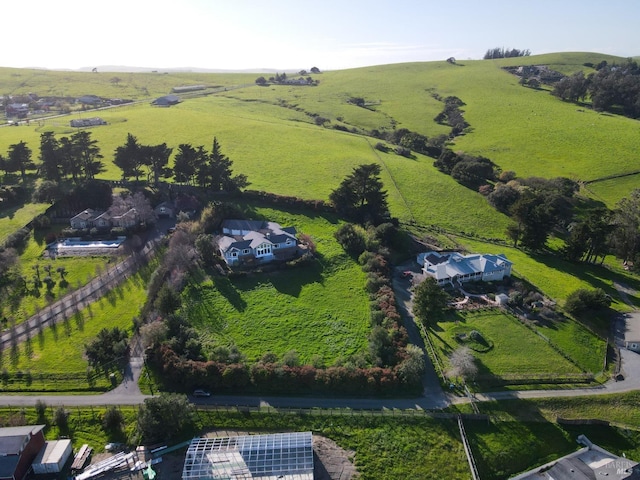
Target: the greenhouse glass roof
(280, 456)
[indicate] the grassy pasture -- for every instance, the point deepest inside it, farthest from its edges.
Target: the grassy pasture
(613, 190)
(318, 309)
(14, 218)
(516, 350)
(138, 85)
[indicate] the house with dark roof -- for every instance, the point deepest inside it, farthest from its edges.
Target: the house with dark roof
(166, 101)
(19, 446)
(84, 219)
(89, 218)
(452, 267)
(256, 241)
(589, 463)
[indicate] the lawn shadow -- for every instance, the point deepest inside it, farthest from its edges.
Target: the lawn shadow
(79, 318)
(290, 282)
(228, 290)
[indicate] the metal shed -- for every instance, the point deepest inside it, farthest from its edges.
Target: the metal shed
(52, 457)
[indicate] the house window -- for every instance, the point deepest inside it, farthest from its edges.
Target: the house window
(234, 254)
(289, 242)
(246, 251)
(266, 250)
(275, 245)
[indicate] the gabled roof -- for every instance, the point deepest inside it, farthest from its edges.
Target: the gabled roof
(12, 438)
(242, 224)
(85, 215)
(442, 266)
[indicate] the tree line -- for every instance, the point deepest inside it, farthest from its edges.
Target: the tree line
(614, 88)
(79, 158)
(501, 52)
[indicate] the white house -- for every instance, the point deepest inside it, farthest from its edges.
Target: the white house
(84, 219)
(89, 218)
(245, 241)
(453, 267)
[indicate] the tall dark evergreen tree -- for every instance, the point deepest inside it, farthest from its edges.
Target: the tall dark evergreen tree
(625, 237)
(156, 158)
(185, 162)
(51, 167)
(360, 196)
(87, 154)
(128, 158)
(19, 159)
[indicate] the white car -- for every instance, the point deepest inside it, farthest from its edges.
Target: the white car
(114, 446)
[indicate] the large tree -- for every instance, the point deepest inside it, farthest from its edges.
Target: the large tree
(214, 171)
(625, 238)
(128, 157)
(429, 301)
(185, 163)
(360, 196)
(166, 418)
(87, 154)
(156, 158)
(51, 168)
(19, 159)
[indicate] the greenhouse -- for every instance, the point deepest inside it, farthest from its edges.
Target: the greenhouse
(280, 456)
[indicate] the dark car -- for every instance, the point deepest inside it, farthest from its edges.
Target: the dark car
(201, 393)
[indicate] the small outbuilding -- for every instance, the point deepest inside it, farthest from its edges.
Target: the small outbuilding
(166, 101)
(52, 457)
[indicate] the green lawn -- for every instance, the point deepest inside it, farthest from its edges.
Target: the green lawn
(41, 355)
(14, 218)
(79, 271)
(318, 310)
(516, 351)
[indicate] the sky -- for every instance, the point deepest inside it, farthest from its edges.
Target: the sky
(300, 34)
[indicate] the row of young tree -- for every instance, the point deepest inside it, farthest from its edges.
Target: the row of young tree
(610, 88)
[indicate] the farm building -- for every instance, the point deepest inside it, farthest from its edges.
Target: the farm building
(453, 267)
(245, 241)
(188, 88)
(52, 457)
(87, 122)
(18, 448)
(588, 463)
(284, 456)
(166, 101)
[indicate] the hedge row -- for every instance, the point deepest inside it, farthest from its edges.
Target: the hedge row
(186, 375)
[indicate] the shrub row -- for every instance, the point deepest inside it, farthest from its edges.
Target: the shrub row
(185, 375)
(275, 199)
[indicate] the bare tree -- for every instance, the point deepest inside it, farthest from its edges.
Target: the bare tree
(463, 364)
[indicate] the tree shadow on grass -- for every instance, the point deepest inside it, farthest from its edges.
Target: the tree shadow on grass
(228, 290)
(290, 282)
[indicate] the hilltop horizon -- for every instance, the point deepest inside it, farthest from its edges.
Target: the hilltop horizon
(115, 68)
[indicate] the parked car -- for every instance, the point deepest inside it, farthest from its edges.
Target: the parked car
(201, 393)
(114, 447)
